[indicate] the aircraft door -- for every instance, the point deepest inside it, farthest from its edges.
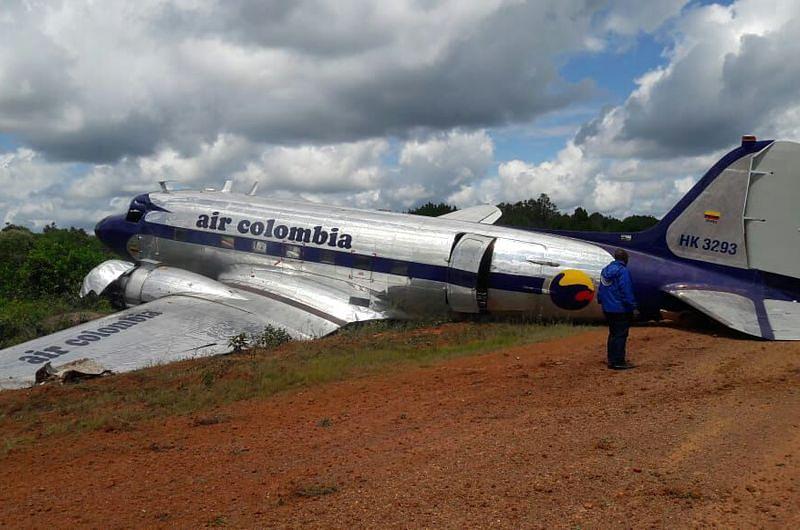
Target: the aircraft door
(468, 273)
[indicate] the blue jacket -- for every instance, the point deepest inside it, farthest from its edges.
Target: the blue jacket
(616, 289)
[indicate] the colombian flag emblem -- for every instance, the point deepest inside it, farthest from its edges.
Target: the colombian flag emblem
(712, 216)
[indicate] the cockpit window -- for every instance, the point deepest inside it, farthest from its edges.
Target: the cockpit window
(139, 206)
(134, 216)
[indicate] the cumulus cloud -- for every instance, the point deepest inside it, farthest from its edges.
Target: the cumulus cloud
(374, 105)
(565, 180)
(33, 192)
(368, 173)
(96, 82)
(346, 167)
(445, 162)
(730, 72)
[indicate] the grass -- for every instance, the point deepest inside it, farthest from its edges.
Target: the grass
(200, 386)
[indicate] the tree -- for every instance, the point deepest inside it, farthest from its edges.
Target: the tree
(534, 213)
(50, 264)
(543, 213)
(431, 209)
(637, 223)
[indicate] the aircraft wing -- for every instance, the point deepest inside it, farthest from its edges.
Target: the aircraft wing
(765, 318)
(329, 298)
(175, 327)
(483, 213)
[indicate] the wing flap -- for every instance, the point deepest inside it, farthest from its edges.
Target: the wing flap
(326, 297)
(483, 213)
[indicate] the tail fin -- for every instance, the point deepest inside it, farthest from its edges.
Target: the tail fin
(743, 213)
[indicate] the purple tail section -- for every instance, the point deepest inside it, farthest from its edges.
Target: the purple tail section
(724, 249)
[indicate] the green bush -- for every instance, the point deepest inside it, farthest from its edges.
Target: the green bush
(22, 320)
(238, 342)
(40, 276)
(271, 337)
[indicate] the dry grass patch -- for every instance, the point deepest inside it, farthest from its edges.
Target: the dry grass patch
(199, 386)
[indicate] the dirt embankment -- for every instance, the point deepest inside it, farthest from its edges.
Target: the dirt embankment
(706, 432)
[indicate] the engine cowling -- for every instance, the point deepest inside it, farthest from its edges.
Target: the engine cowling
(147, 284)
(136, 285)
(103, 275)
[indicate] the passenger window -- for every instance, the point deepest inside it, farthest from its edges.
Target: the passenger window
(227, 242)
(260, 247)
(400, 268)
(362, 262)
(327, 256)
(292, 251)
(181, 234)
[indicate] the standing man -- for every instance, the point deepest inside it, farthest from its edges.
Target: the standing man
(616, 297)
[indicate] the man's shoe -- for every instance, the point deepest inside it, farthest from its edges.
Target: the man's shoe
(621, 366)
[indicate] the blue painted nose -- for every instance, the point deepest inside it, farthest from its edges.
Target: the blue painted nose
(115, 232)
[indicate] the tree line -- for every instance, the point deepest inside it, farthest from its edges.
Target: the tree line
(543, 213)
(40, 276)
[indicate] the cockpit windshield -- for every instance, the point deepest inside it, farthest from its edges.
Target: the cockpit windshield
(137, 209)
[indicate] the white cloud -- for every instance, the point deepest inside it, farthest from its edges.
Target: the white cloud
(314, 168)
(613, 195)
(443, 163)
(99, 81)
(730, 72)
(375, 107)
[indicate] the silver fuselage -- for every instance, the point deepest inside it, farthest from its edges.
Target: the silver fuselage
(404, 265)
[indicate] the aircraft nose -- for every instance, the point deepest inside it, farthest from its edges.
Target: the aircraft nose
(114, 232)
(106, 232)
(101, 229)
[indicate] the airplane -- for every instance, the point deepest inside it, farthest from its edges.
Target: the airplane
(202, 266)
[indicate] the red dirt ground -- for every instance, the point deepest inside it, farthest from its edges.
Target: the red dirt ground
(706, 432)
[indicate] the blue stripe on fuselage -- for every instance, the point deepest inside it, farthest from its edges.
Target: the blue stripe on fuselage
(332, 256)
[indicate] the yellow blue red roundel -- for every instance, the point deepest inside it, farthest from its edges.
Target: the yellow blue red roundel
(572, 289)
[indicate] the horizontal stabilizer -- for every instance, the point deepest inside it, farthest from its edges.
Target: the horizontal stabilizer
(483, 213)
(765, 318)
(735, 311)
(784, 318)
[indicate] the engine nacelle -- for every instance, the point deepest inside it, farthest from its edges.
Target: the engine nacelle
(132, 285)
(145, 284)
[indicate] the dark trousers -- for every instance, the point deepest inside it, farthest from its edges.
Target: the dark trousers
(618, 326)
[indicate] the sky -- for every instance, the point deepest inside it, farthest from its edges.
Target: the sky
(614, 106)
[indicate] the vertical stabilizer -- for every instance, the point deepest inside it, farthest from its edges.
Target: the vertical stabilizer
(743, 213)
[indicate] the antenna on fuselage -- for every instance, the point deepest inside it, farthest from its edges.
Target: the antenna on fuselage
(253, 189)
(226, 188)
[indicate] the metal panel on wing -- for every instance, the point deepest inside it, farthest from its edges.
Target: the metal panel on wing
(468, 273)
(165, 330)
